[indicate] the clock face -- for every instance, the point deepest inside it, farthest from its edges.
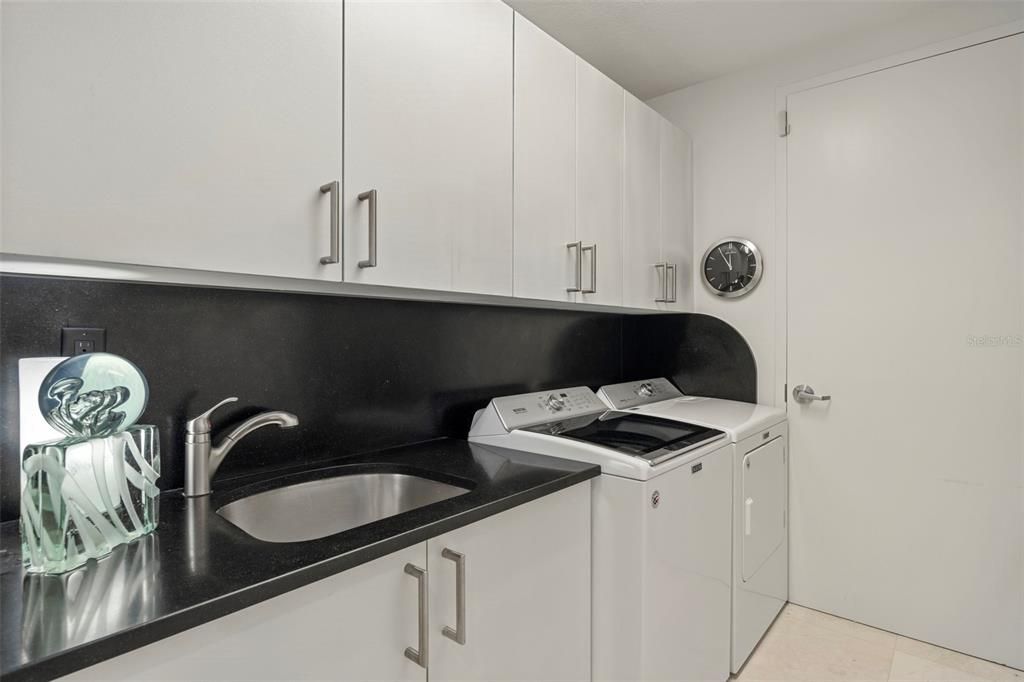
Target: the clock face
(732, 267)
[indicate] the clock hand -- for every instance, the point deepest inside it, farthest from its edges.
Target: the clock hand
(728, 260)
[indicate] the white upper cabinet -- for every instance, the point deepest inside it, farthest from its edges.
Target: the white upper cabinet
(644, 273)
(676, 217)
(657, 236)
(599, 173)
(545, 165)
(428, 145)
(185, 134)
(450, 146)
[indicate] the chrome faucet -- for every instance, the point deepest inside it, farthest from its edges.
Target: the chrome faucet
(202, 459)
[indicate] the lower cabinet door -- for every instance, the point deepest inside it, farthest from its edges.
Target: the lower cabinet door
(352, 626)
(524, 590)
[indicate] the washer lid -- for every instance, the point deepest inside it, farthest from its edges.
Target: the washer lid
(740, 420)
(645, 437)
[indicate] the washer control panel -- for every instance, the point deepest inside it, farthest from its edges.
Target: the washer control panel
(637, 393)
(530, 409)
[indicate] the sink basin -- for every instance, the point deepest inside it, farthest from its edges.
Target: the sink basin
(316, 509)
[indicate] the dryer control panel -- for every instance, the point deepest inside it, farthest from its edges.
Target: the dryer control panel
(637, 393)
(530, 409)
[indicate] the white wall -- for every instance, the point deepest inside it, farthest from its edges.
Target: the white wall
(732, 121)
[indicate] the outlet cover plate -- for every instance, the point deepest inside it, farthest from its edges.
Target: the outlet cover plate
(79, 340)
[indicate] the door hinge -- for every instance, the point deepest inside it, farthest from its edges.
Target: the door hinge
(783, 123)
(785, 393)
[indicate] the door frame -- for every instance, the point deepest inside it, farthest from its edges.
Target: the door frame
(782, 179)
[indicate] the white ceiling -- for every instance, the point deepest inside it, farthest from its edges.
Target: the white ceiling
(656, 46)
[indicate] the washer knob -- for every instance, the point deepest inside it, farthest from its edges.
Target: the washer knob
(645, 390)
(555, 403)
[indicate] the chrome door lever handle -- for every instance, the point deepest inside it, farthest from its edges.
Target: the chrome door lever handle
(805, 394)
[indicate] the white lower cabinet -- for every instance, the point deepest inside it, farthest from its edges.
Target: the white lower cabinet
(526, 586)
(351, 626)
(524, 590)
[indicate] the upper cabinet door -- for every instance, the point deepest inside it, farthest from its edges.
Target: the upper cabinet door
(644, 273)
(184, 134)
(545, 165)
(428, 144)
(599, 131)
(677, 217)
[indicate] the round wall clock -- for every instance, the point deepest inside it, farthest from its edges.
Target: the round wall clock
(732, 267)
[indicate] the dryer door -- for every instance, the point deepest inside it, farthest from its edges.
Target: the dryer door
(763, 505)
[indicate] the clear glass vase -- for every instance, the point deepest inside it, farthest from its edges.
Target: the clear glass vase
(82, 497)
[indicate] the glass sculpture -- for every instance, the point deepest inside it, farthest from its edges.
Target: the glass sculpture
(97, 488)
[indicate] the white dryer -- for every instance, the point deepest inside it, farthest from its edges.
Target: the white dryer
(760, 535)
(660, 528)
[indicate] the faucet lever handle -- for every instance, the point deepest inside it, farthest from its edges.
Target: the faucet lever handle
(201, 424)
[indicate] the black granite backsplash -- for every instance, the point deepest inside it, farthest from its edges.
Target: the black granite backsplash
(360, 373)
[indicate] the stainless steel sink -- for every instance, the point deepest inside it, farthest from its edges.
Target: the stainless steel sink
(316, 509)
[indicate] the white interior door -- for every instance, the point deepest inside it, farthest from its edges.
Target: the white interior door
(905, 304)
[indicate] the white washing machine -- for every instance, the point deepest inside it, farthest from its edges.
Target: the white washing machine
(660, 528)
(760, 536)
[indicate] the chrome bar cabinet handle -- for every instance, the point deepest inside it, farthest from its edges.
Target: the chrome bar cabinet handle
(334, 189)
(457, 635)
(578, 279)
(419, 656)
(593, 269)
(371, 261)
(663, 280)
(673, 287)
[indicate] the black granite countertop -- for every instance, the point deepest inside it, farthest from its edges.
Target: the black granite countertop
(197, 566)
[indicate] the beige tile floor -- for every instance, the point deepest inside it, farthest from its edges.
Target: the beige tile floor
(806, 645)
